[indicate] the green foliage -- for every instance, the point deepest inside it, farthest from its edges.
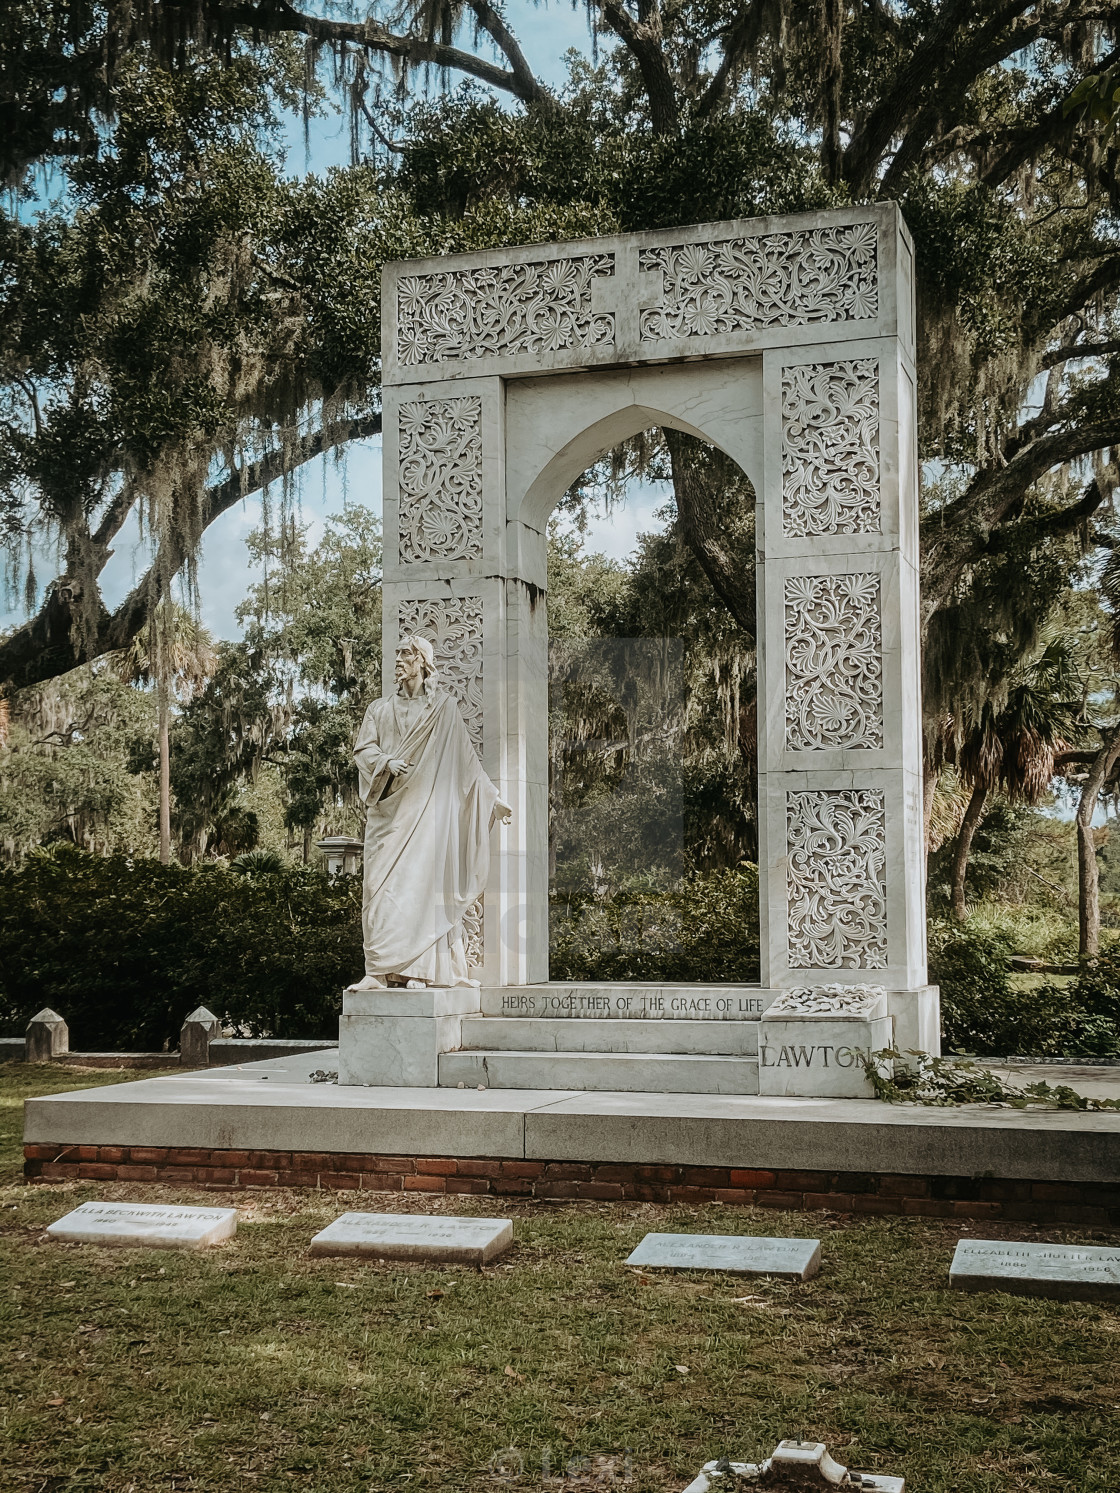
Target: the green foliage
(705, 929)
(124, 948)
(917, 1078)
(987, 1010)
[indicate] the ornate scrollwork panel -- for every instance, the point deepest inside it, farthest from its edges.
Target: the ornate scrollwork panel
(830, 1000)
(440, 476)
(774, 280)
(834, 662)
(830, 448)
(501, 311)
(836, 879)
(454, 628)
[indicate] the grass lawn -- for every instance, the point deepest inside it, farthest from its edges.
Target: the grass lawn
(253, 1366)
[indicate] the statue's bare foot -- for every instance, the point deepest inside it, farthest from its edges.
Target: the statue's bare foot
(371, 982)
(416, 985)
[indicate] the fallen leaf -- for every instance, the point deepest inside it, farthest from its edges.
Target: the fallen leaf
(434, 1295)
(56, 1402)
(682, 1368)
(511, 1373)
(63, 1284)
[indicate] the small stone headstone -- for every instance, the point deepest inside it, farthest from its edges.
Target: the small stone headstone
(738, 1254)
(47, 1037)
(148, 1224)
(411, 1236)
(1066, 1272)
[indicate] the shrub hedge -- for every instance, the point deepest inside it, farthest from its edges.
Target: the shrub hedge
(123, 949)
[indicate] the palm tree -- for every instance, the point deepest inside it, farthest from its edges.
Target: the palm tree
(176, 652)
(1013, 746)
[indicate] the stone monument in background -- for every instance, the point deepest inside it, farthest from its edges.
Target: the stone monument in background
(789, 344)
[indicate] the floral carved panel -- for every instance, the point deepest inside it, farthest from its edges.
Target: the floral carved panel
(502, 311)
(830, 448)
(440, 475)
(834, 662)
(775, 280)
(454, 628)
(836, 879)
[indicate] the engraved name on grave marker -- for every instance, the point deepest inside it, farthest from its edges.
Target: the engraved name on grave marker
(1066, 1272)
(150, 1224)
(739, 1254)
(404, 1236)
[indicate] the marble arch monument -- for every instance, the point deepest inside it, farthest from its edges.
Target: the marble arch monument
(788, 343)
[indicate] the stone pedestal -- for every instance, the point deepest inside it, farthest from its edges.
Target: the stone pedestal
(48, 1037)
(815, 1043)
(393, 1038)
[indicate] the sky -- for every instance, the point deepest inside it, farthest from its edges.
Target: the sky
(545, 31)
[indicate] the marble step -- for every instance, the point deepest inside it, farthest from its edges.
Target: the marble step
(617, 1072)
(538, 1034)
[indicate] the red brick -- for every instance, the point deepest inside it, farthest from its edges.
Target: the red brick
(218, 1176)
(255, 1177)
(147, 1155)
(613, 1173)
(85, 1153)
(175, 1174)
(734, 1195)
(97, 1171)
(468, 1168)
(270, 1161)
(467, 1184)
(397, 1166)
(903, 1187)
(299, 1178)
(741, 1178)
(1056, 1192)
(225, 1158)
(425, 1184)
(191, 1156)
(688, 1194)
(112, 1154)
(926, 1208)
(706, 1176)
(854, 1182)
(803, 1181)
(314, 1161)
(344, 1181)
(658, 1173)
(436, 1166)
(775, 1199)
(1066, 1213)
(128, 1173)
(974, 1208)
(547, 1188)
(867, 1202)
(381, 1182)
(518, 1186)
(576, 1171)
(835, 1202)
(40, 1153)
(59, 1170)
(658, 1192)
(600, 1191)
(522, 1168)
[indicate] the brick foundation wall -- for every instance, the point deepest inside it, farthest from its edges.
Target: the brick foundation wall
(842, 1192)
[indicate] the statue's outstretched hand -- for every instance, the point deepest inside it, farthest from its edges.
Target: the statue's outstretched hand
(503, 812)
(398, 766)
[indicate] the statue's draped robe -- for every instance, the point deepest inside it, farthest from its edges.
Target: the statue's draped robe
(427, 844)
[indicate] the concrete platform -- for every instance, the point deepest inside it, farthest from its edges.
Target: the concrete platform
(595, 1072)
(273, 1107)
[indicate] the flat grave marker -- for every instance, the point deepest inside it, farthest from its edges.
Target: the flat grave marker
(151, 1225)
(738, 1254)
(415, 1236)
(1064, 1272)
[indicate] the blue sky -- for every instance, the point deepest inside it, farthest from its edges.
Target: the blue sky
(545, 32)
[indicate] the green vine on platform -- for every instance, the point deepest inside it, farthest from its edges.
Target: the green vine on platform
(917, 1078)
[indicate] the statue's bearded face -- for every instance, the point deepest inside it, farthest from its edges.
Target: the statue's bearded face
(410, 666)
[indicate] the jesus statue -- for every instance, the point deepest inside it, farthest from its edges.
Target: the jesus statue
(429, 812)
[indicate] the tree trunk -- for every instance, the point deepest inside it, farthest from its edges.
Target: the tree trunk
(164, 776)
(969, 824)
(1088, 878)
(705, 533)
